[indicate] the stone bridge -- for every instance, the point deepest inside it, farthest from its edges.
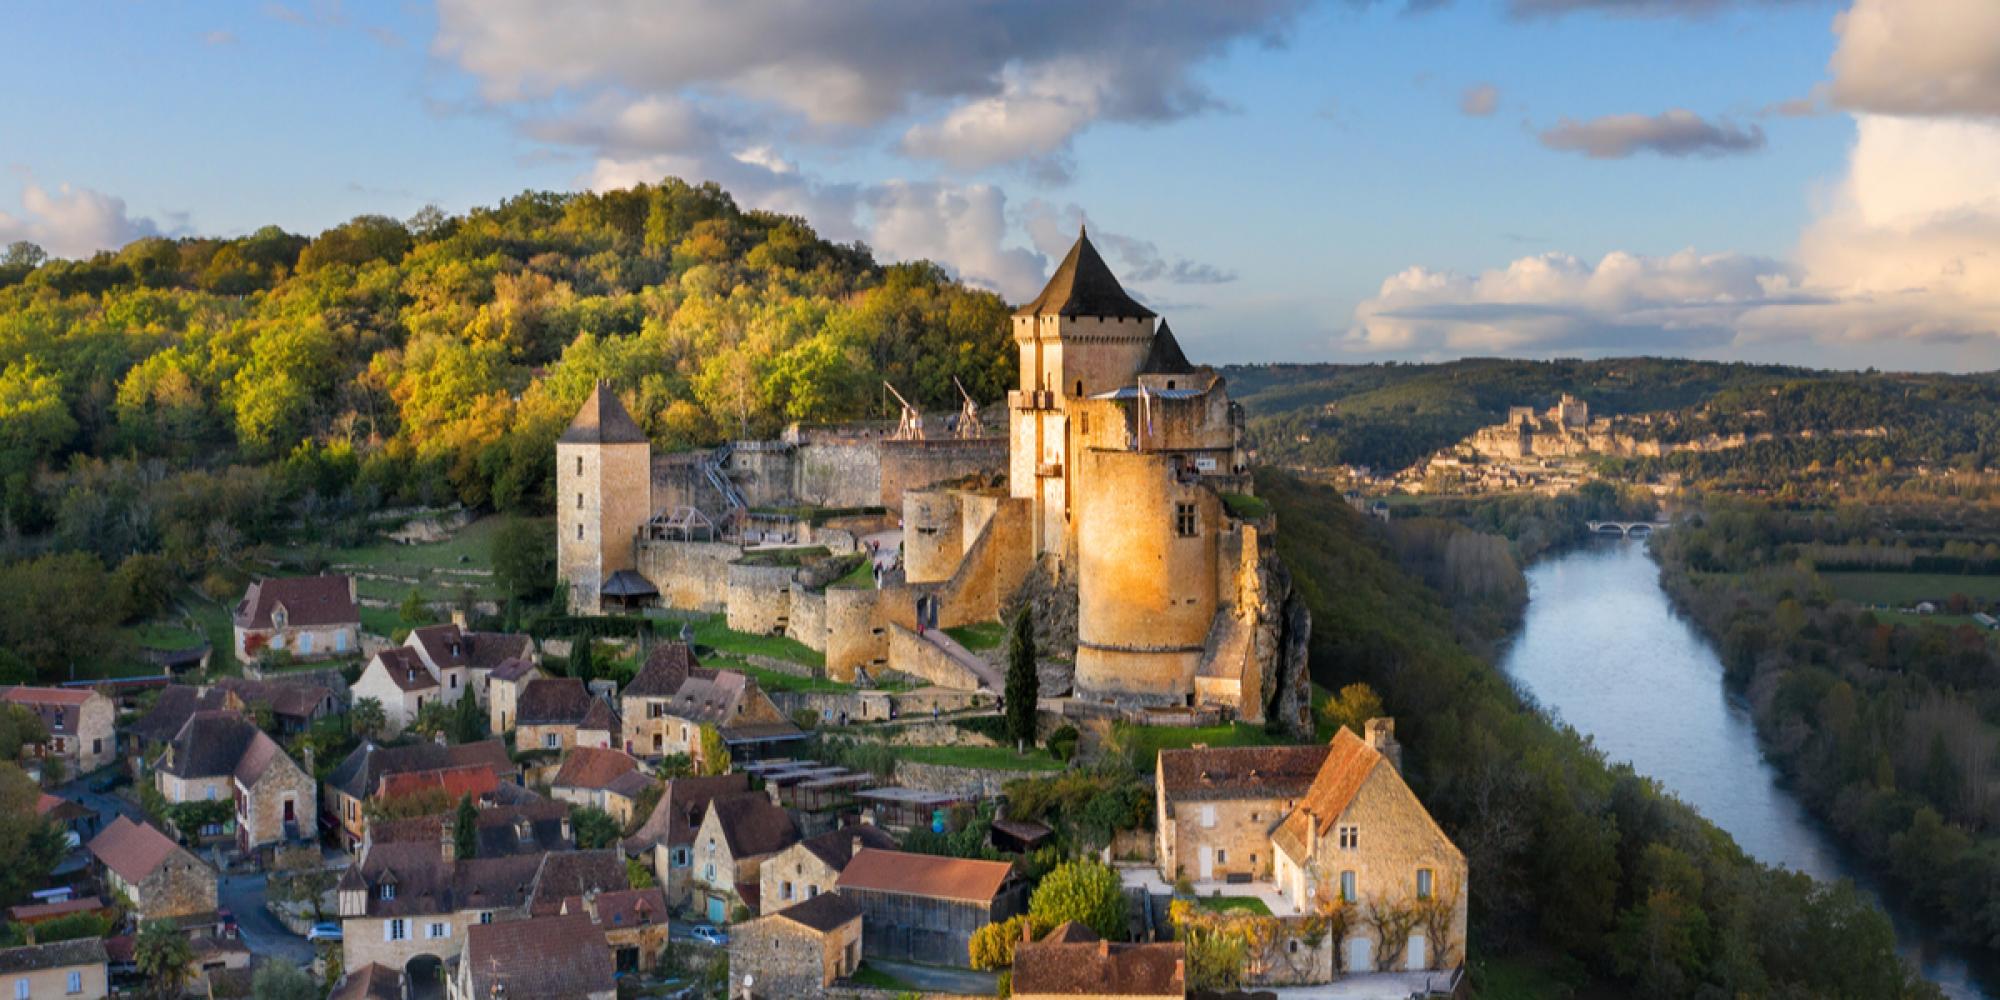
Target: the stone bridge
(1627, 529)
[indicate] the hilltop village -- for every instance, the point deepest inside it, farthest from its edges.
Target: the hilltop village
(766, 752)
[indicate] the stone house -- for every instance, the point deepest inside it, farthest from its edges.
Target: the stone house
(672, 697)
(399, 680)
(295, 703)
(923, 908)
(359, 777)
(77, 968)
(310, 617)
(734, 839)
(503, 693)
(1215, 807)
(1360, 838)
(557, 956)
(82, 724)
(224, 756)
(1072, 962)
(153, 875)
(634, 922)
(557, 713)
(666, 840)
(462, 659)
(611, 780)
(813, 865)
(370, 982)
(531, 825)
(800, 950)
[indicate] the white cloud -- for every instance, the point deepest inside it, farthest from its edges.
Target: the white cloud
(1137, 261)
(1032, 117)
(1918, 57)
(1480, 100)
(962, 226)
(1673, 133)
(73, 221)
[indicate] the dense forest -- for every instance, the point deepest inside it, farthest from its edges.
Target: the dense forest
(1588, 876)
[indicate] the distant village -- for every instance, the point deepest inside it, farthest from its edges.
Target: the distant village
(510, 824)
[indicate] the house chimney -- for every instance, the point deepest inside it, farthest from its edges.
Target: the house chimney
(458, 618)
(439, 738)
(1381, 734)
(448, 841)
(309, 763)
(565, 828)
(1312, 835)
(590, 904)
(857, 847)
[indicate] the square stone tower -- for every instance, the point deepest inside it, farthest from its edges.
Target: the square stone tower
(1082, 335)
(604, 494)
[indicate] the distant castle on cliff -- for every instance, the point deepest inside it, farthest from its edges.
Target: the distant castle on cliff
(1121, 486)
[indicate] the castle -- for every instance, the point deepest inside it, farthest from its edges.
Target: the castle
(1121, 485)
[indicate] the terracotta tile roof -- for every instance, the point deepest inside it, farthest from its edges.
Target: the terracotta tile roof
(307, 600)
(133, 850)
(1276, 772)
(476, 780)
(592, 767)
(60, 709)
(667, 667)
(825, 912)
(753, 826)
(370, 982)
(1083, 285)
(600, 717)
(553, 701)
(925, 875)
(60, 954)
(503, 830)
(1070, 932)
(1349, 763)
(682, 805)
(602, 420)
(29, 913)
(1066, 966)
(836, 847)
(544, 957)
(362, 771)
(60, 809)
(405, 669)
(622, 908)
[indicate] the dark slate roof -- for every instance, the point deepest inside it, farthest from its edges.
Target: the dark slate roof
(209, 745)
(753, 826)
(364, 767)
(548, 701)
(1165, 358)
(297, 698)
(425, 883)
(308, 600)
(602, 420)
(682, 805)
(836, 846)
(545, 957)
(81, 951)
(171, 710)
(406, 669)
(1275, 772)
(667, 667)
(822, 913)
(512, 669)
(574, 873)
(1083, 285)
(1100, 969)
(626, 583)
(503, 830)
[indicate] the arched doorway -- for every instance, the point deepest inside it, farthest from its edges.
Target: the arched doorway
(424, 978)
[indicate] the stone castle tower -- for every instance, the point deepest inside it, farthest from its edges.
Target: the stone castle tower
(603, 498)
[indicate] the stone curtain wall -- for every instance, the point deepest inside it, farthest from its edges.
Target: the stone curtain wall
(854, 635)
(760, 598)
(908, 465)
(691, 576)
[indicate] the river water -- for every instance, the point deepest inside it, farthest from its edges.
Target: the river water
(1602, 648)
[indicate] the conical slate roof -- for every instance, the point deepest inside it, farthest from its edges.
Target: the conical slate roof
(602, 420)
(1166, 357)
(1083, 285)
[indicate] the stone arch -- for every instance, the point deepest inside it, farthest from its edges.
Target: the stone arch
(423, 977)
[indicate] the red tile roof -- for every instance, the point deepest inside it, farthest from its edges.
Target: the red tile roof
(133, 850)
(925, 875)
(622, 908)
(1275, 772)
(476, 780)
(594, 768)
(1064, 966)
(561, 956)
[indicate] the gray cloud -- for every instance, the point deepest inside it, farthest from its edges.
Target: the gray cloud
(1480, 100)
(1137, 261)
(1673, 133)
(1931, 58)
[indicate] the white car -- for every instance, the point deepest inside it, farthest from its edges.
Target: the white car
(324, 932)
(710, 934)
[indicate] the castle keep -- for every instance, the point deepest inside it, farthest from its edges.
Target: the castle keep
(1121, 485)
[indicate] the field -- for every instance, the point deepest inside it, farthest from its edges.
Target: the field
(1904, 589)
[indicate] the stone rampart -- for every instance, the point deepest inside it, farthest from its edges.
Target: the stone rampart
(691, 576)
(908, 465)
(759, 598)
(854, 636)
(974, 781)
(909, 653)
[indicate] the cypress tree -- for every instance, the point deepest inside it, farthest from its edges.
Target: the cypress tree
(1023, 685)
(465, 834)
(581, 665)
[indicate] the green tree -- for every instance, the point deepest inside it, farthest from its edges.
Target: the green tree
(283, 981)
(414, 609)
(1352, 707)
(593, 828)
(583, 659)
(465, 829)
(1023, 683)
(639, 874)
(714, 752)
(367, 718)
(22, 253)
(468, 723)
(145, 585)
(524, 558)
(163, 956)
(31, 844)
(1083, 890)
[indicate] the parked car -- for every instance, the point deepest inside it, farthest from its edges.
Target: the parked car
(710, 934)
(328, 931)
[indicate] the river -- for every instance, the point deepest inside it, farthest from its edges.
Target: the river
(1602, 648)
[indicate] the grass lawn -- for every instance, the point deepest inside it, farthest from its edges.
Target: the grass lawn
(983, 758)
(868, 975)
(861, 577)
(979, 635)
(795, 555)
(1233, 904)
(714, 634)
(439, 568)
(772, 680)
(1147, 741)
(381, 621)
(1245, 506)
(213, 619)
(167, 635)
(1900, 589)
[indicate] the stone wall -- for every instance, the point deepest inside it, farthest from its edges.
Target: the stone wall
(995, 565)
(281, 782)
(934, 734)
(965, 780)
(807, 617)
(838, 473)
(603, 497)
(933, 542)
(760, 598)
(910, 654)
(855, 636)
(908, 465)
(691, 576)
(182, 885)
(786, 959)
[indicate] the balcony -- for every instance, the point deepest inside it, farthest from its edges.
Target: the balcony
(1049, 470)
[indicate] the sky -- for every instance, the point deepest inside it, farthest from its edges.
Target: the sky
(1808, 181)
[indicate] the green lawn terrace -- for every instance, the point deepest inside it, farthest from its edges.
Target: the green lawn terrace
(446, 572)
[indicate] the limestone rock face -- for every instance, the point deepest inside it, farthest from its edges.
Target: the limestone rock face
(1283, 629)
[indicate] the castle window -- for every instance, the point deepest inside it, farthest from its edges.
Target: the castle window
(1079, 388)
(1185, 523)
(579, 465)
(1170, 383)
(579, 501)
(579, 531)
(1423, 883)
